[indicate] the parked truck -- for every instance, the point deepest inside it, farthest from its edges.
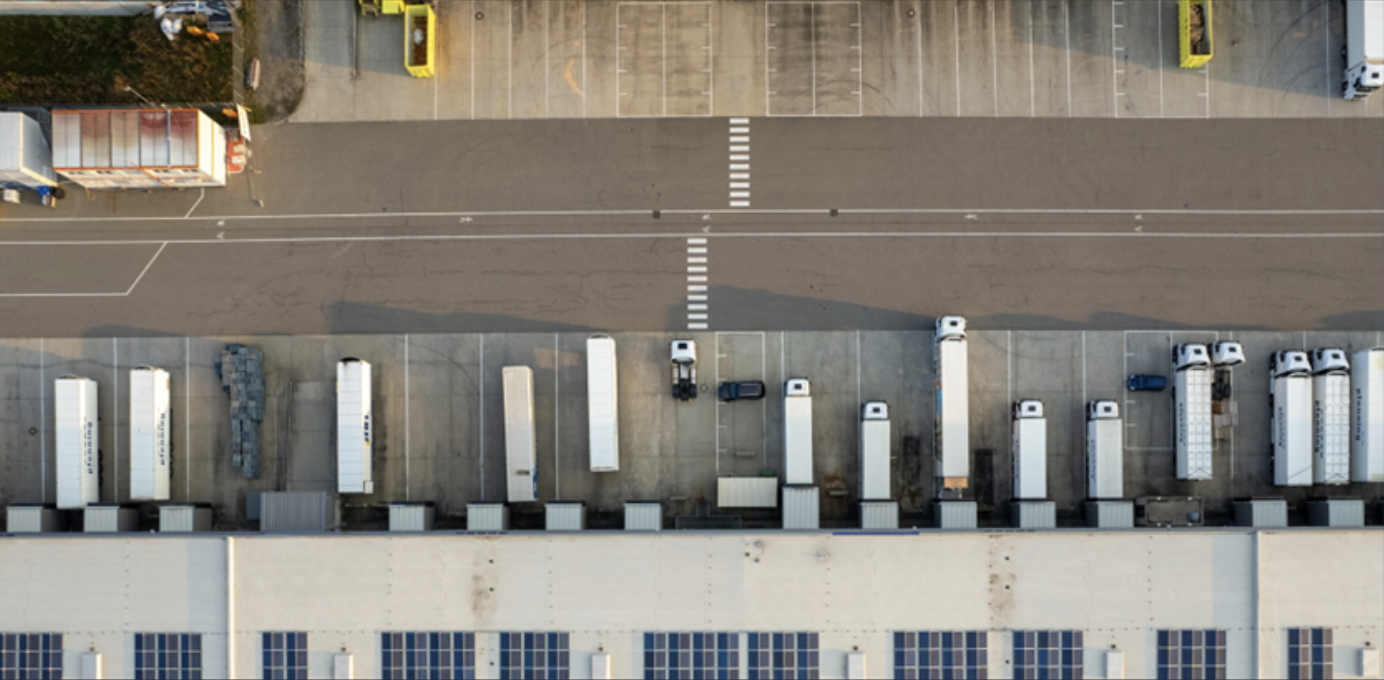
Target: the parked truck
(1330, 416)
(75, 432)
(1364, 49)
(1104, 451)
(951, 424)
(1030, 450)
(354, 429)
(150, 443)
(797, 432)
(684, 360)
(603, 404)
(1192, 376)
(874, 452)
(521, 467)
(1367, 413)
(1290, 418)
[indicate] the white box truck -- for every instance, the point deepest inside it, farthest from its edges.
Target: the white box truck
(797, 432)
(1030, 451)
(521, 467)
(1367, 412)
(150, 443)
(1290, 418)
(1364, 50)
(354, 429)
(602, 403)
(684, 360)
(1104, 451)
(75, 442)
(874, 452)
(1330, 416)
(951, 424)
(1192, 376)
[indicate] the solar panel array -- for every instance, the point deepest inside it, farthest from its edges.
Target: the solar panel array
(285, 655)
(168, 656)
(31, 655)
(1048, 654)
(1309, 654)
(783, 656)
(423, 655)
(1191, 654)
(534, 655)
(941, 654)
(692, 656)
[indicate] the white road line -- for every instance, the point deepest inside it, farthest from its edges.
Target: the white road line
(1161, 65)
(663, 50)
(740, 121)
(994, 60)
(557, 421)
(1326, 42)
(146, 268)
(739, 175)
(481, 416)
(115, 414)
(695, 307)
(194, 205)
(739, 148)
(1115, 61)
(406, 420)
(736, 130)
(187, 418)
(42, 424)
(696, 260)
(956, 49)
(696, 251)
(696, 269)
(740, 157)
(697, 298)
(1067, 17)
(510, 44)
(696, 317)
(473, 63)
(696, 326)
(733, 166)
(918, 29)
(739, 194)
(696, 279)
(547, 70)
(583, 60)
(739, 140)
(768, 101)
(696, 241)
(739, 185)
(695, 289)
(1032, 77)
(739, 204)
(812, 34)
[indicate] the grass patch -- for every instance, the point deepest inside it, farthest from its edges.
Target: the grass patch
(91, 60)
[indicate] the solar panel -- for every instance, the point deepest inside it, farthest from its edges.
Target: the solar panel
(542, 656)
(691, 656)
(31, 655)
(430, 654)
(1048, 654)
(785, 655)
(285, 655)
(175, 656)
(941, 654)
(1310, 654)
(1191, 654)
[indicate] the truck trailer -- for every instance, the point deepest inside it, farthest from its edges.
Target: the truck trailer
(150, 444)
(1290, 418)
(951, 424)
(354, 429)
(1367, 414)
(1192, 376)
(1104, 451)
(1330, 416)
(603, 405)
(1030, 450)
(874, 452)
(797, 432)
(521, 467)
(1364, 50)
(684, 361)
(75, 442)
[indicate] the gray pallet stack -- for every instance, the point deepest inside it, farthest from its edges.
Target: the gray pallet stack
(241, 370)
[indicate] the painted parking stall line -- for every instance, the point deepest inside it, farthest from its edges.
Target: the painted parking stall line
(697, 306)
(813, 58)
(740, 162)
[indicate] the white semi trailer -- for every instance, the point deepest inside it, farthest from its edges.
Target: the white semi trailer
(1104, 451)
(521, 468)
(75, 442)
(1364, 50)
(354, 429)
(1192, 376)
(797, 432)
(150, 444)
(874, 452)
(951, 424)
(1030, 450)
(1330, 416)
(1290, 418)
(603, 404)
(1367, 414)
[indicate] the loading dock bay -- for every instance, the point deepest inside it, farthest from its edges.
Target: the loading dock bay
(439, 416)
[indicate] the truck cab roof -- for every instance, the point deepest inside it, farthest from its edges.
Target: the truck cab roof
(951, 327)
(1326, 359)
(874, 410)
(1287, 363)
(1189, 355)
(684, 351)
(1227, 353)
(1028, 408)
(1103, 409)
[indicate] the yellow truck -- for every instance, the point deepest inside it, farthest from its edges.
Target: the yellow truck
(378, 7)
(1194, 32)
(420, 41)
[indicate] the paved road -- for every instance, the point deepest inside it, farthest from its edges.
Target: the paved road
(526, 225)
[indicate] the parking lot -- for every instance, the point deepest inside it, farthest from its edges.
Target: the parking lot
(504, 59)
(439, 418)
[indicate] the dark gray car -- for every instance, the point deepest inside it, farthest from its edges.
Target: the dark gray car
(737, 391)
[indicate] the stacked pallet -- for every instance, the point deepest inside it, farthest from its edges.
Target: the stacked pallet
(241, 370)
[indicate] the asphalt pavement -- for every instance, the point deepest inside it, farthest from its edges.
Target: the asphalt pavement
(859, 223)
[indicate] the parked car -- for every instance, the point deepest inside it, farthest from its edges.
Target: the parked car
(738, 391)
(1147, 383)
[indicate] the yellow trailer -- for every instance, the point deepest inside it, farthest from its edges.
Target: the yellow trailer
(1194, 32)
(377, 7)
(420, 40)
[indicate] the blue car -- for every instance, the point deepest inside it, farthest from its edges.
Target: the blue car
(1147, 383)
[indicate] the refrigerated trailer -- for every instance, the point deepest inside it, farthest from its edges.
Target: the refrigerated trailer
(602, 401)
(951, 424)
(797, 432)
(1330, 416)
(75, 442)
(1104, 451)
(1030, 440)
(1192, 375)
(151, 452)
(1367, 415)
(874, 452)
(354, 429)
(521, 467)
(1290, 418)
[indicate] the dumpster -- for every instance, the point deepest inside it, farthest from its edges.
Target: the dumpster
(1194, 32)
(420, 49)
